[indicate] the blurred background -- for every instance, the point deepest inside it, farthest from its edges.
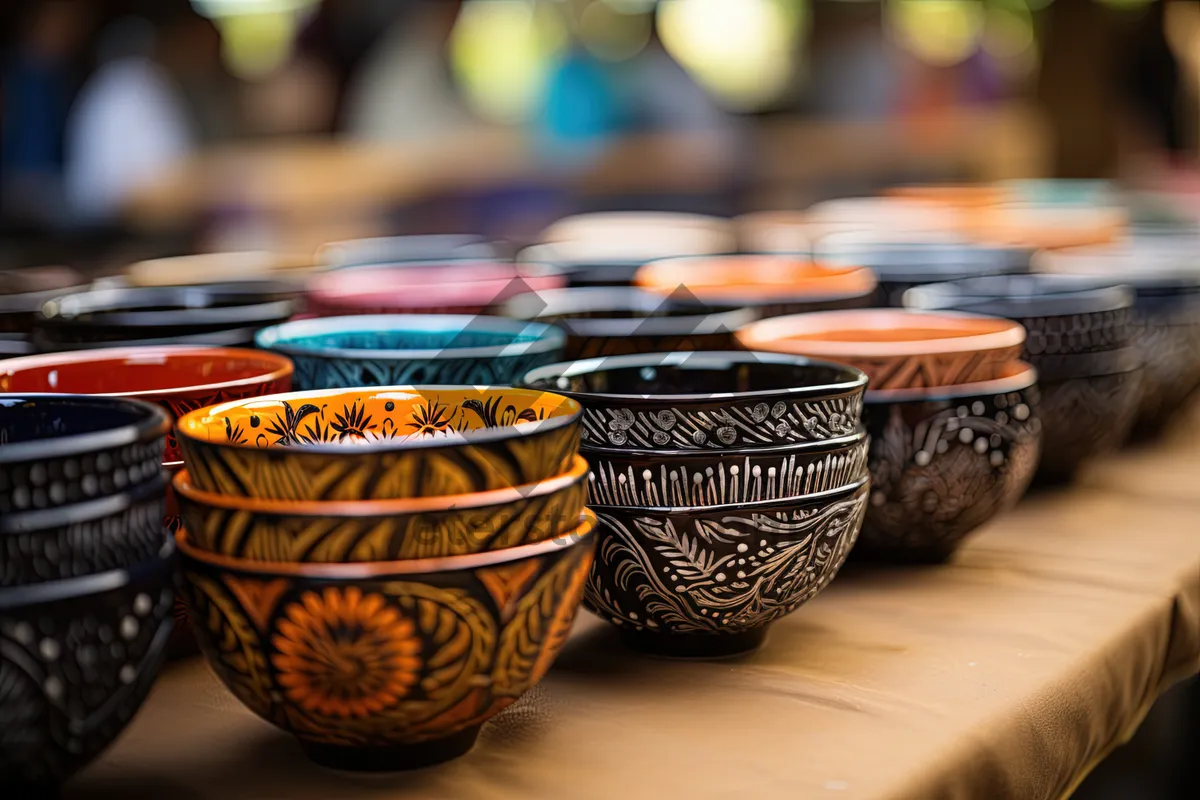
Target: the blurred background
(142, 128)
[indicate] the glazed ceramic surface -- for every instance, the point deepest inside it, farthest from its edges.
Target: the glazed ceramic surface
(23, 291)
(14, 344)
(387, 665)
(348, 352)
(772, 284)
(77, 658)
(709, 400)
(383, 530)
(774, 232)
(943, 462)
(611, 321)
(406, 249)
(57, 450)
(639, 235)
(385, 443)
(707, 581)
(215, 268)
(622, 477)
(578, 266)
(1084, 419)
(178, 379)
(896, 349)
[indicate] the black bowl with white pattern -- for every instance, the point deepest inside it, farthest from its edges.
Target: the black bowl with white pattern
(77, 658)
(57, 450)
(707, 400)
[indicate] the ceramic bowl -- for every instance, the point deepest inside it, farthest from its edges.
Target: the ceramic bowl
(14, 344)
(78, 658)
(1038, 226)
(23, 291)
(83, 538)
(178, 379)
(772, 285)
(612, 321)
(578, 266)
(392, 350)
(450, 287)
(945, 461)
(657, 478)
(1085, 418)
(890, 215)
(896, 349)
(708, 581)
(58, 450)
(901, 261)
(640, 235)
(387, 665)
(215, 268)
(774, 232)
(137, 314)
(1166, 314)
(708, 400)
(383, 530)
(386, 443)
(406, 249)
(235, 337)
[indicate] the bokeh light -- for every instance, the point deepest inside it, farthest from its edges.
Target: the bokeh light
(1010, 37)
(939, 32)
(744, 51)
(615, 30)
(257, 36)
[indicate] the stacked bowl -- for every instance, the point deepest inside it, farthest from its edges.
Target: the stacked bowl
(950, 411)
(22, 293)
(405, 249)
(85, 579)
(380, 571)
(729, 489)
(1079, 338)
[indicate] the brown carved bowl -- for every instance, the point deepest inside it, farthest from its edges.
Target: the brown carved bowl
(944, 461)
(393, 665)
(896, 349)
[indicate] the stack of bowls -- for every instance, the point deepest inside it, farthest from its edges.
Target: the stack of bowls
(1164, 272)
(772, 285)
(950, 411)
(1079, 338)
(405, 249)
(402, 349)
(620, 320)
(85, 579)
(729, 489)
(176, 379)
(379, 572)
(22, 293)
(218, 315)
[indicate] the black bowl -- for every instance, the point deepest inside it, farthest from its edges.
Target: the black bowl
(123, 314)
(580, 272)
(57, 449)
(899, 266)
(108, 533)
(392, 250)
(707, 400)
(945, 461)
(704, 582)
(77, 658)
(623, 477)
(612, 321)
(23, 291)
(14, 344)
(1083, 419)
(237, 337)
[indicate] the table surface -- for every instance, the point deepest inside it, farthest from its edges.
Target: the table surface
(1008, 673)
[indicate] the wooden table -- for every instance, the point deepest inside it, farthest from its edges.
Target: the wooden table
(1009, 673)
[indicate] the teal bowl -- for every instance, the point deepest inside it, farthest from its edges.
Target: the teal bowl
(412, 350)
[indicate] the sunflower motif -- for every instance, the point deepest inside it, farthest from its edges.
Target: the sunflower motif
(431, 418)
(345, 654)
(353, 422)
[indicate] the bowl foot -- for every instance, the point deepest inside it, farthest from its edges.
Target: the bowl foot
(694, 645)
(396, 758)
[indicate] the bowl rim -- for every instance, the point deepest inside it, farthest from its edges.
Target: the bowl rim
(38, 520)
(339, 254)
(151, 422)
(548, 338)
(463, 439)
(82, 586)
(845, 441)
(585, 531)
(855, 379)
(1114, 259)
(707, 317)
(1062, 295)
(576, 474)
(243, 337)
(935, 260)
(192, 301)
(755, 506)
(1024, 377)
(858, 273)
(275, 366)
(777, 332)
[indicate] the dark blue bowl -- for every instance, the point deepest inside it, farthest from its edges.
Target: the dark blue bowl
(412, 350)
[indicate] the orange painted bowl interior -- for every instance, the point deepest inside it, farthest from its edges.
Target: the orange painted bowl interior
(897, 349)
(1048, 227)
(956, 195)
(754, 278)
(636, 235)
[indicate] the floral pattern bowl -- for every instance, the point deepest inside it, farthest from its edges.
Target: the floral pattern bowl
(382, 530)
(387, 665)
(380, 443)
(708, 400)
(394, 350)
(896, 349)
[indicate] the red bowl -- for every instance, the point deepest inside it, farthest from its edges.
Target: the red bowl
(180, 379)
(449, 288)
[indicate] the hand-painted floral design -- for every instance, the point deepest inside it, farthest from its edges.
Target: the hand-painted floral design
(353, 422)
(433, 417)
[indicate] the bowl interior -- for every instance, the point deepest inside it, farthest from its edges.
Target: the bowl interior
(137, 371)
(431, 335)
(862, 333)
(25, 419)
(401, 416)
(759, 276)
